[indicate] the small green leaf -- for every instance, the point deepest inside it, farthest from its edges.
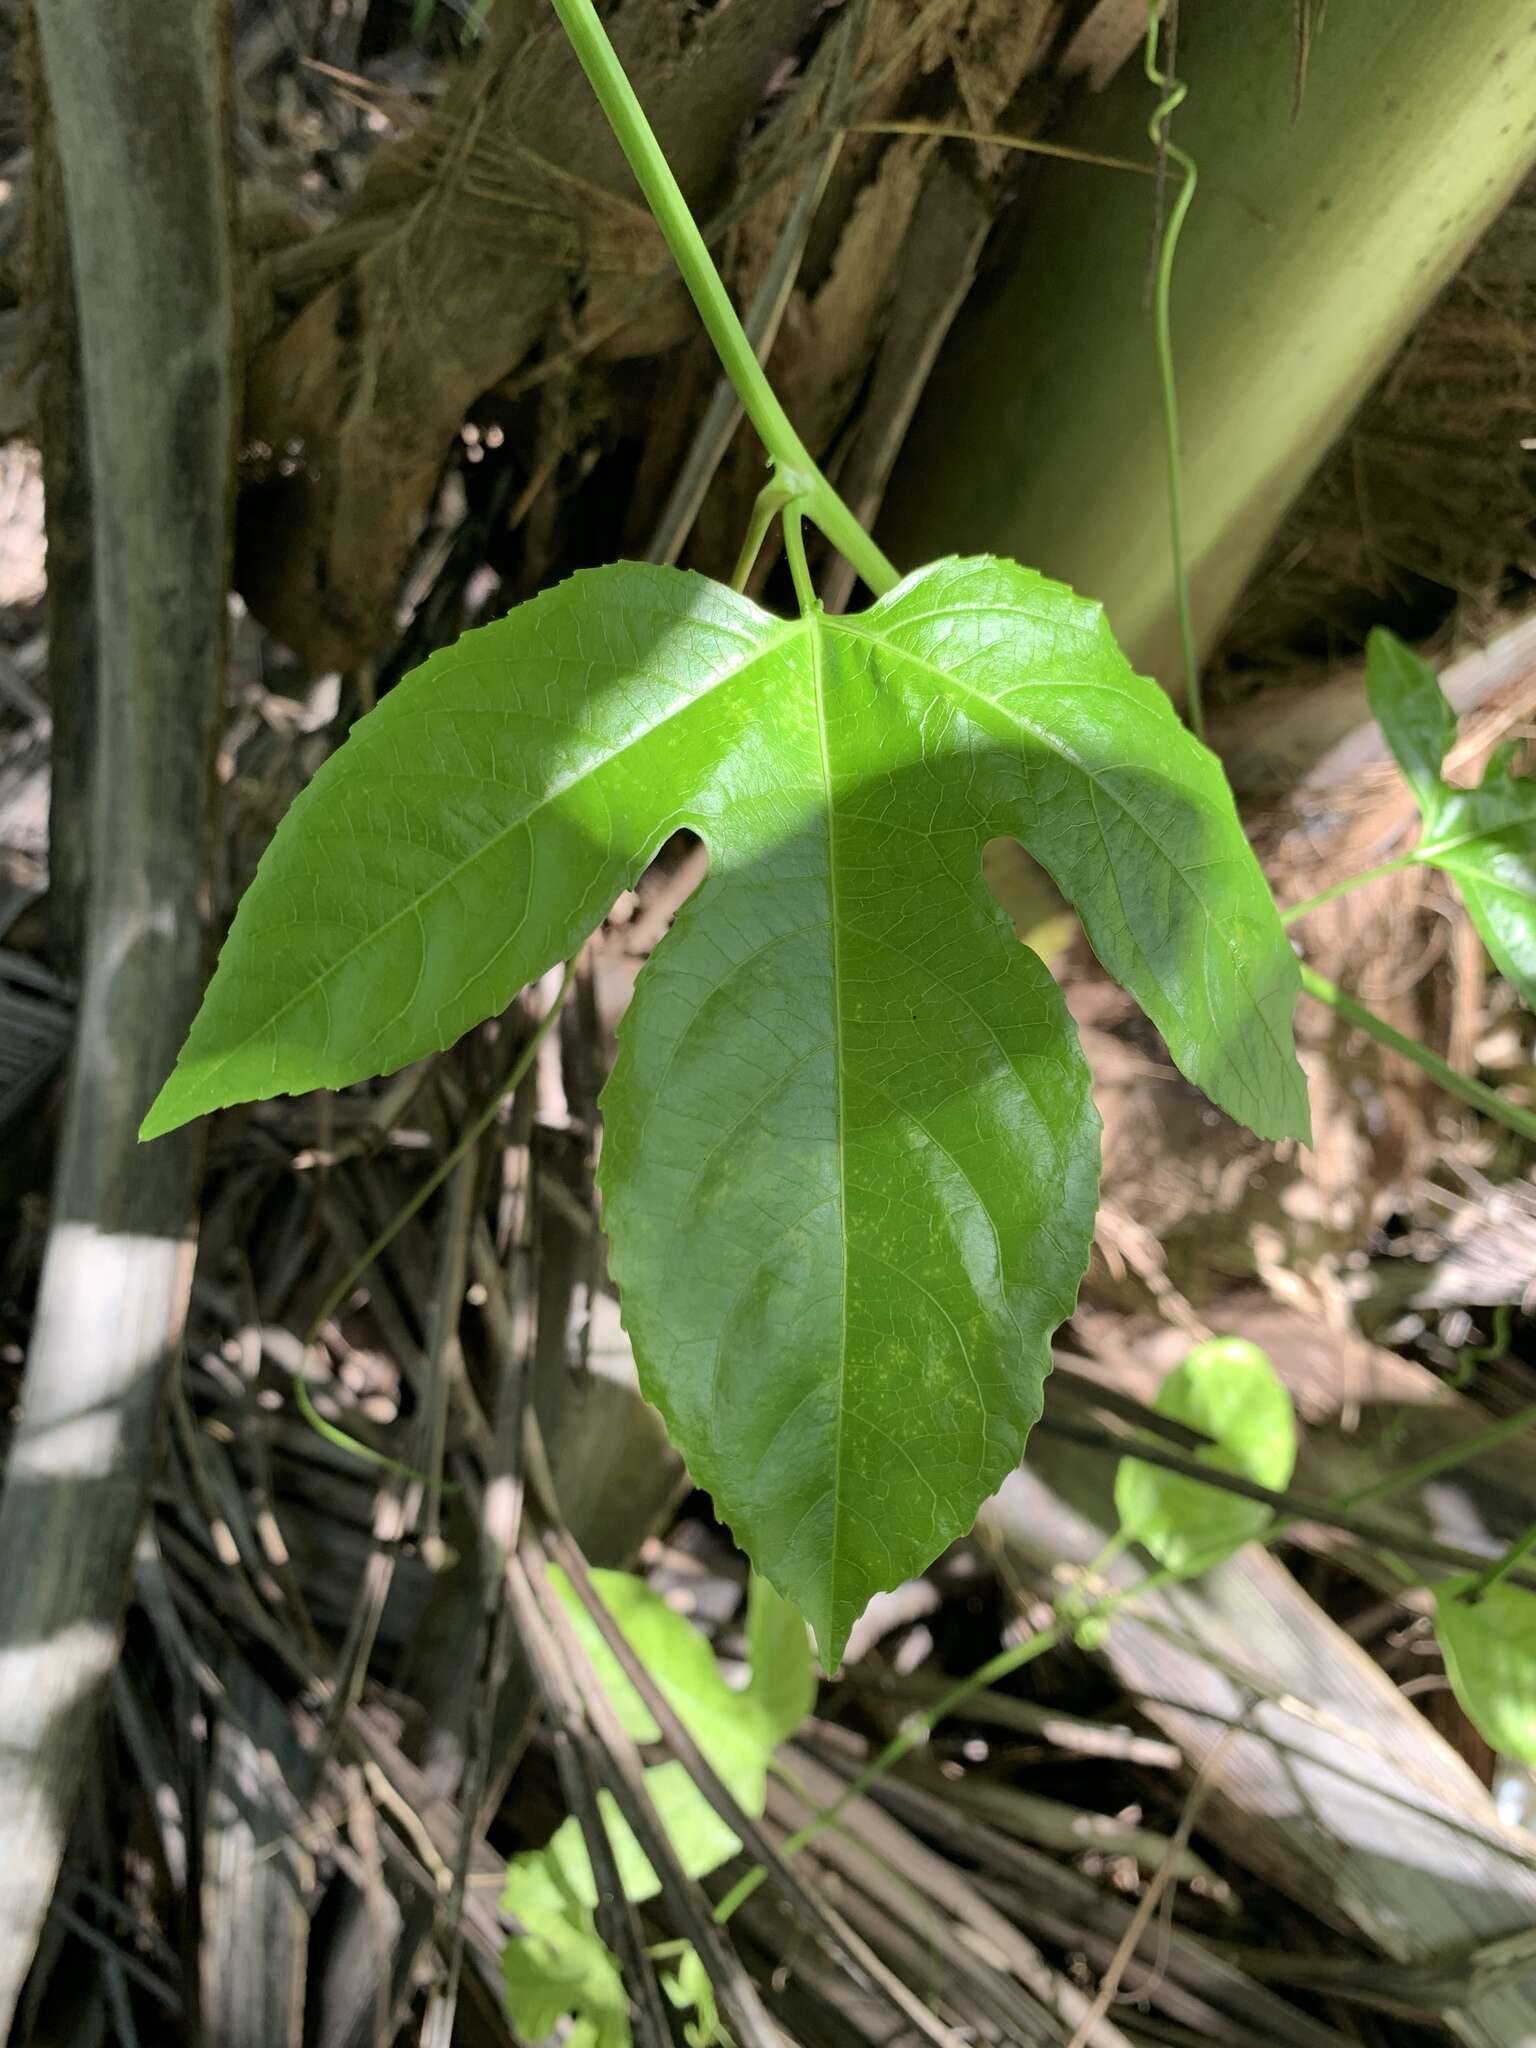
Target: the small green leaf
(729, 1727)
(690, 1990)
(1489, 1646)
(675, 1654)
(1229, 1391)
(561, 1965)
(1411, 708)
(1484, 838)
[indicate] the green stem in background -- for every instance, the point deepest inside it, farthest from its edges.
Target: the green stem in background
(922, 1725)
(1071, 1618)
(1348, 886)
(1462, 1086)
(1474, 1355)
(1441, 1461)
(354, 1447)
(796, 467)
(1502, 1566)
(1162, 298)
(767, 504)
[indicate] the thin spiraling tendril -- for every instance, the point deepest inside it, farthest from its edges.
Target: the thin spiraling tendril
(1173, 90)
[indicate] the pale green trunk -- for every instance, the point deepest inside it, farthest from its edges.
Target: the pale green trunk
(1313, 248)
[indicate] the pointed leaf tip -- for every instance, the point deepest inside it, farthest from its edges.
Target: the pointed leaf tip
(162, 1116)
(472, 830)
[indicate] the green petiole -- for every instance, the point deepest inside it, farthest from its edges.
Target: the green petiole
(799, 568)
(1445, 1460)
(1462, 1086)
(796, 469)
(1348, 886)
(1502, 1566)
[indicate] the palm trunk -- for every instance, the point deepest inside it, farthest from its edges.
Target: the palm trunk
(1314, 246)
(136, 94)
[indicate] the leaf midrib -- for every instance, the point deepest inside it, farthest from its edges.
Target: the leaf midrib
(813, 624)
(548, 797)
(1434, 852)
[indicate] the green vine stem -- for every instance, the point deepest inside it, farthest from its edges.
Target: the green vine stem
(1073, 1617)
(922, 1725)
(1348, 886)
(1502, 1566)
(1474, 1355)
(795, 466)
(1492, 1104)
(1173, 91)
(1463, 1086)
(767, 505)
(1444, 1460)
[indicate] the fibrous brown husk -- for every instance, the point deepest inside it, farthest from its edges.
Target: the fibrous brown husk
(467, 236)
(507, 221)
(1434, 483)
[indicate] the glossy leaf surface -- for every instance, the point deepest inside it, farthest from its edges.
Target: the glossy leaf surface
(1489, 1646)
(850, 1160)
(1229, 1391)
(473, 829)
(1484, 838)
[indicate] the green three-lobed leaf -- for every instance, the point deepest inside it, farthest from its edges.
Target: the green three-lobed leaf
(850, 1158)
(1484, 838)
